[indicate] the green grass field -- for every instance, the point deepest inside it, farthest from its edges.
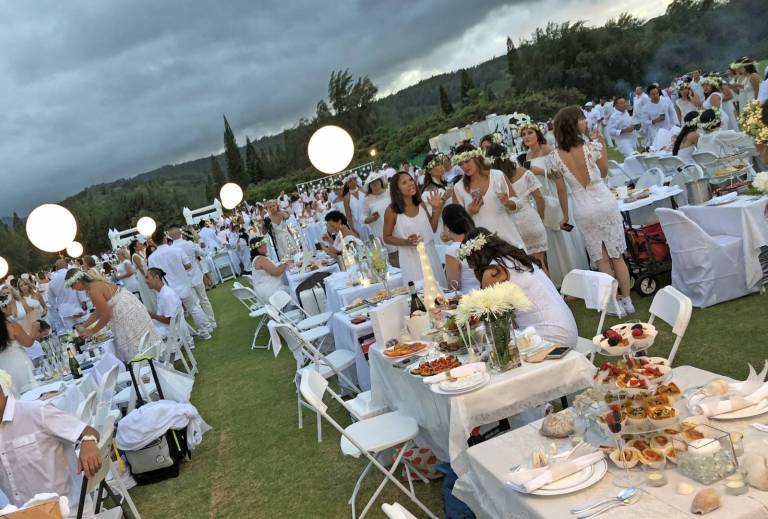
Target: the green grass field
(255, 463)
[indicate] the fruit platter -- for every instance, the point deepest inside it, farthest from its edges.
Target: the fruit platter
(625, 338)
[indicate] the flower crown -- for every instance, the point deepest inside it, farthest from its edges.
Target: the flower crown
(519, 121)
(713, 123)
(470, 246)
(436, 161)
(693, 123)
(467, 155)
(77, 276)
(738, 64)
(259, 243)
(712, 81)
(497, 138)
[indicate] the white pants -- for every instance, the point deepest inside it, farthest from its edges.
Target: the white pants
(192, 304)
(205, 304)
(625, 146)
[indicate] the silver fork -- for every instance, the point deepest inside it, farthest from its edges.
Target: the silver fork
(626, 502)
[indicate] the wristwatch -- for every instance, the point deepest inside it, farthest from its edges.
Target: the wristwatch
(89, 438)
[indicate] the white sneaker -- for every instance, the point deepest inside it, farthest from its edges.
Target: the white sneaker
(626, 302)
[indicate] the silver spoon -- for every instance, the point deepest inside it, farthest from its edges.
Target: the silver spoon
(625, 502)
(623, 495)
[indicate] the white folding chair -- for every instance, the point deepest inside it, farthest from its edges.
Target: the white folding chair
(694, 171)
(256, 310)
(282, 299)
(708, 161)
(671, 165)
(176, 344)
(318, 333)
(309, 358)
(674, 308)
(579, 283)
(87, 384)
(87, 408)
(652, 162)
(223, 266)
(396, 511)
(652, 177)
(372, 438)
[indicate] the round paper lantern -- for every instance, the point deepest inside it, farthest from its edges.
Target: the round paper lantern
(146, 226)
(74, 249)
(3, 267)
(51, 227)
(330, 149)
(231, 195)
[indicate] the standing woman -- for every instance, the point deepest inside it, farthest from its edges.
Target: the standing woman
(13, 341)
(584, 164)
(353, 206)
(714, 98)
(436, 165)
(137, 251)
(528, 217)
(686, 102)
(407, 222)
(130, 320)
(747, 69)
(126, 273)
(278, 229)
(486, 194)
(374, 206)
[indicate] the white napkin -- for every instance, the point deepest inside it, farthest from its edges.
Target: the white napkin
(467, 370)
(753, 382)
(598, 290)
(743, 394)
(563, 465)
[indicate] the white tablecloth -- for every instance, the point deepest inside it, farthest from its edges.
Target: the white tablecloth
(445, 422)
(339, 295)
(346, 337)
(293, 279)
(483, 489)
(744, 218)
(642, 211)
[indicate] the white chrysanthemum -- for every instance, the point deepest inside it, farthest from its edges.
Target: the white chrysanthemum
(760, 182)
(495, 300)
(6, 383)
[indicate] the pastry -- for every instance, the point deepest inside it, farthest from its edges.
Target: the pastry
(654, 458)
(559, 425)
(631, 457)
(662, 415)
(706, 501)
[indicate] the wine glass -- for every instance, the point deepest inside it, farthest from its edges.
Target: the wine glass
(613, 420)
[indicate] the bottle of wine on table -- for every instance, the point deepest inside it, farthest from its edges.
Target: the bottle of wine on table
(416, 302)
(74, 367)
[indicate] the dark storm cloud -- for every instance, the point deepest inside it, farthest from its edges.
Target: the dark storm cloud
(95, 90)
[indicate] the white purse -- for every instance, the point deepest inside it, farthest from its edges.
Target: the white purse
(553, 213)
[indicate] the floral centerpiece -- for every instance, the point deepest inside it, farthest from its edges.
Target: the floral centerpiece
(752, 123)
(495, 306)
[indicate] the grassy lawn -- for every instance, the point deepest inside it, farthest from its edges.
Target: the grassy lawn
(255, 463)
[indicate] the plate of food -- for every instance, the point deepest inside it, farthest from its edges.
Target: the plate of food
(427, 368)
(621, 339)
(402, 350)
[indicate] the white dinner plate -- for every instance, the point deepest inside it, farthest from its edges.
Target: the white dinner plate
(435, 388)
(464, 383)
(585, 478)
(748, 412)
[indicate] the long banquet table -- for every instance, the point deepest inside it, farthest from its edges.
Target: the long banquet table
(482, 487)
(446, 422)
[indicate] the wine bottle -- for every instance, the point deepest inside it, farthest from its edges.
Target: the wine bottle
(74, 367)
(416, 302)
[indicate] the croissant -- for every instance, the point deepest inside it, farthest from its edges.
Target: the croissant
(706, 501)
(757, 471)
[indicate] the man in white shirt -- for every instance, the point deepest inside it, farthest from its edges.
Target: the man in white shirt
(208, 235)
(63, 301)
(168, 302)
(638, 100)
(695, 84)
(593, 116)
(606, 109)
(658, 112)
(175, 264)
(194, 255)
(622, 128)
(37, 450)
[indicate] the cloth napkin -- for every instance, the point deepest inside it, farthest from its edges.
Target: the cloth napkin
(467, 370)
(599, 288)
(561, 466)
(274, 336)
(742, 394)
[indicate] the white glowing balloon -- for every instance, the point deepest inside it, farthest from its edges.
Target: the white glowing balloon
(51, 227)
(74, 249)
(231, 195)
(3, 267)
(146, 226)
(330, 149)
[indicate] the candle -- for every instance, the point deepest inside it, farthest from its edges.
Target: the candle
(735, 488)
(703, 447)
(656, 479)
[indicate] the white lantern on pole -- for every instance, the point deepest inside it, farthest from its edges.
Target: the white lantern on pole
(231, 195)
(74, 249)
(330, 149)
(146, 226)
(3, 267)
(51, 227)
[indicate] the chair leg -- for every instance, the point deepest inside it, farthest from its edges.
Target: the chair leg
(358, 484)
(319, 429)
(301, 422)
(123, 490)
(389, 475)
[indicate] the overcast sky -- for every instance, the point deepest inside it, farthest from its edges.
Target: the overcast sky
(94, 91)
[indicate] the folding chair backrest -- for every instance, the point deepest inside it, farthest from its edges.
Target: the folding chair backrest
(87, 408)
(313, 387)
(246, 296)
(294, 343)
(652, 162)
(683, 234)
(105, 450)
(679, 179)
(107, 385)
(707, 160)
(280, 299)
(314, 280)
(674, 308)
(652, 177)
(88, 385)
(579, 283)
(694, 171)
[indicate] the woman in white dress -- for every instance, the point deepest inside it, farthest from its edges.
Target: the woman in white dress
(721, 142)
(277, 228)
(267, 277)
(126, 273)
(34, 299)
(436, 165)
(714, 98)
(584, 164)
(498, 262)
(13, 341)
(687, 101)
(565, 250)
(746, 68)
(112, 304)
(375, 204)
(137, 250)
(407, 222)
(530, 211)
(353, 206)
(486, 194)
(456, 224)
(686, 140)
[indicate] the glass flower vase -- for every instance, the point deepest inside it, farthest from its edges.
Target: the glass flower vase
(504, 354)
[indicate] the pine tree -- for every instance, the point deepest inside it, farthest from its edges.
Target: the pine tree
(511, 55)
(210, 188)
(235, 168)
(445, 102)
(466, 85)
(251, 157)
(489, 94)
(217, 175)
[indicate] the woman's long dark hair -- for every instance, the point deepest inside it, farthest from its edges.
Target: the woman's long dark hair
(254, 251)
(690, 116)
(336, 216)
(457, 219)
(132, 248)
(5, 337)
(499, 251)
(428, 180)
(566, 128)
(398, 200)
(496, 153)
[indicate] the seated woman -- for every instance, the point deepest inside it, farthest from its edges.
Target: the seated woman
(267, 277)
(339, 229)
(496, 261)
(719, 141)
(456, 224)
(685, 143)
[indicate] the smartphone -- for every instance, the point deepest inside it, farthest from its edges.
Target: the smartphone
(566, 227)
(662, 116)
(558, 353)
(527, 164)
(477, 194)
(318, 246)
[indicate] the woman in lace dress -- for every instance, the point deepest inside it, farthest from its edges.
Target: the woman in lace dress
(130, 319)
(584, 164)
(267, 277)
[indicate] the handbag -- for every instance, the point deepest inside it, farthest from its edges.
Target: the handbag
(553, 213)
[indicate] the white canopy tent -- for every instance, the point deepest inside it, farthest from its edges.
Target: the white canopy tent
(209, 212)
